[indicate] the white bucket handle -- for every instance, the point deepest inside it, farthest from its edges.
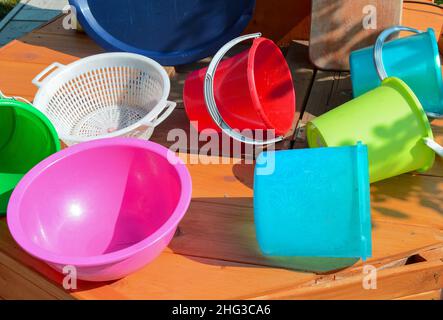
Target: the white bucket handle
(211, 105)
(378, 48)
(162, 114)
(3, 96)
(48, 72)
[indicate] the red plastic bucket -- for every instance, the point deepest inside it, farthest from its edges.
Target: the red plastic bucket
(252, 90)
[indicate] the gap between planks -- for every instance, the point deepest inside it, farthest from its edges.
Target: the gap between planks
(387, 268)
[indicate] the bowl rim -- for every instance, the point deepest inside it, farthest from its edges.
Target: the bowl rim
(13, 212)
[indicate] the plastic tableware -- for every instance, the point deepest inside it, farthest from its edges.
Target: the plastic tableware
(26, 138)
(107, 207)
(389, 120)
(414, 59)
(319, 209)
(104, 96)
(252, 90)
(171, 32)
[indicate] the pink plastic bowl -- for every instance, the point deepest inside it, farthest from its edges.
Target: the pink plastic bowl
(107, 207)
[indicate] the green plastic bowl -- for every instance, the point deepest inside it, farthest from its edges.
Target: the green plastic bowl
(26, 138)
(390, 120)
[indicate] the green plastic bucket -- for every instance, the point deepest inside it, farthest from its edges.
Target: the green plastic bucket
(26, 138)
(390, 120)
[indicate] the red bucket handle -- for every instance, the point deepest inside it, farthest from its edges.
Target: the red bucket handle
(211, 105)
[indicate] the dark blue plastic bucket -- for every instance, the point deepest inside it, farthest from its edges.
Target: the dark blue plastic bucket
(172, 32)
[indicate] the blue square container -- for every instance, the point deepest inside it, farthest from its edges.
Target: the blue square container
(315, 203)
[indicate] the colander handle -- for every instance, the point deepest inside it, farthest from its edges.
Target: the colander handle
(378, 48)
(48, 72)
(167, 110)
(211, 105)
(438, 149)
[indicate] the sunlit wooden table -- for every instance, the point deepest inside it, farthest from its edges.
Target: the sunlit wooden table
(214, 255)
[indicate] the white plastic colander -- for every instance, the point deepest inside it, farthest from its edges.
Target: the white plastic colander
(103, 96)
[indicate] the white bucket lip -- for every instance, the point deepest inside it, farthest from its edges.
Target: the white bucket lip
(56, 75)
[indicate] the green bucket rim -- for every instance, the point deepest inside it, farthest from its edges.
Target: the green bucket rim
(417, 109)
(13, 103)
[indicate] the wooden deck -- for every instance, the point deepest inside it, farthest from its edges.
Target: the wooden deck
(214, 255)
(28, 15)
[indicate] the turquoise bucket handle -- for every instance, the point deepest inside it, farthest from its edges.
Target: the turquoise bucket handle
(3, 96)
(378, 48)
(210, 99)
(378, 55)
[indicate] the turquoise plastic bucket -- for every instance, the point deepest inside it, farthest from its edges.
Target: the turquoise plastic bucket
(315, 203)
(414, 59)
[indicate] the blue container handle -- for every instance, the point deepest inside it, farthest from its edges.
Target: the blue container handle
(378, 48)
(210, 99)
(438, 149)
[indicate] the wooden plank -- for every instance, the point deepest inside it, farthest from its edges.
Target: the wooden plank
(36, 58)
(54, 5)
(303, 76)
(181, 277)
(36, 15)
(422, 16)
(227, 279)
(408, 199)
(215, 255)
(55, 26)
(16, 77)
(337, 28)
(282, 21)
(53, 43)
(392, 283)
(13, 286)
(188, 280)
(227, 208)
(329, 90)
